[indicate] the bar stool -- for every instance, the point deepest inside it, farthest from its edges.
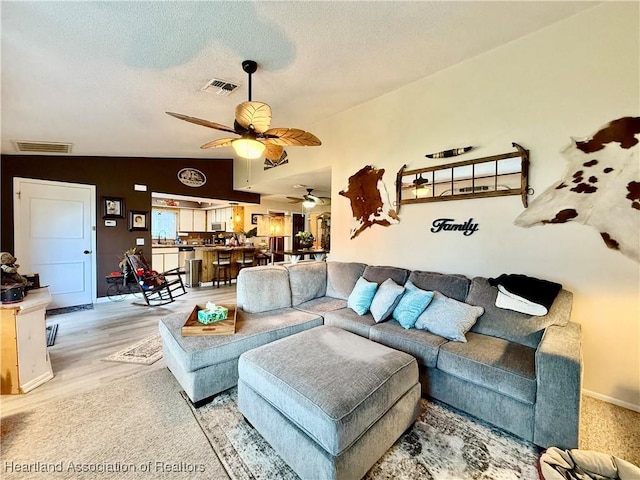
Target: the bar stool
(222, 265)
(262, 258)
(247, 258)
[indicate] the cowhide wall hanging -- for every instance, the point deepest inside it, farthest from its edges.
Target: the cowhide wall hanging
(601, 187)
(369, 200)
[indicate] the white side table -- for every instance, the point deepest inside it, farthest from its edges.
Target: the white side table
(25, 359)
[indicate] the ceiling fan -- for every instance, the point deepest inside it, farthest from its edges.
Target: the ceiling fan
(309, 200)
(252, 123)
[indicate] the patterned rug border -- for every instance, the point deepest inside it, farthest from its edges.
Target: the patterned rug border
(444, 444)
(145, 352)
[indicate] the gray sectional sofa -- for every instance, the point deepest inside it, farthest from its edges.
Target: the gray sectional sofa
(520, 373)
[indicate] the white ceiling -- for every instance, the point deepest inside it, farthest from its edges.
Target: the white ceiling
(100, 75)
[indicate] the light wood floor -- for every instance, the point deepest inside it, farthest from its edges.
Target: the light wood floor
(86, 337)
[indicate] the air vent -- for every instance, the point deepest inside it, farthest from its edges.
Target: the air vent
(220, 87)
(42, 147)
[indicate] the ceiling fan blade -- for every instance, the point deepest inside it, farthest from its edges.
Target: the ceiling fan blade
(291, 136)
(273, 152)
(314, 199)
(295, 200)
(204, 123)
(223, 142)
(257, 114)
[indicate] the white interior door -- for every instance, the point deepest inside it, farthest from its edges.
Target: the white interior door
(55, 237)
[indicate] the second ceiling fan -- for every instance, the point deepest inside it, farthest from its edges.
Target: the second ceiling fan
(252, 122)
(309, 200)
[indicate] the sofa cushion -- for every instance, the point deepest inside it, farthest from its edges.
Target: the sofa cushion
(411, 305)
(493, 363)
(361, 296)
(514, 326)
(308, 280)
(342, 277)
(252, 330)
(419, 343)
(260, 289)
(385, 300)
(452, 285)
(380, 274)
(448, 318)
(350, 321)
(322, 305)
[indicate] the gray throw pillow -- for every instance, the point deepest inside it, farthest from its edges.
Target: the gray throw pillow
(385, 300)
(448, 318)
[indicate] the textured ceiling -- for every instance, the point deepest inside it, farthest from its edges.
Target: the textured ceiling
(101, 75)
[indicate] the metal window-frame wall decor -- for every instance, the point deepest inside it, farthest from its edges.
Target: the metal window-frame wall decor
(494, 176)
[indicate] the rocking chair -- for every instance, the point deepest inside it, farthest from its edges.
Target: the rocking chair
(156, 288)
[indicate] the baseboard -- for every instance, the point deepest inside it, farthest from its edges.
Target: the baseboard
(36, 382)
(615, 401)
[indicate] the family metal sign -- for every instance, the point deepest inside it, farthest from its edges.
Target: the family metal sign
(448, 225)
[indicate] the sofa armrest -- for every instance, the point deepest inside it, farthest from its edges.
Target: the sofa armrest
(559, 386)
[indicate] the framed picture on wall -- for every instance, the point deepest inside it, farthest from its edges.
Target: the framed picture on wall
(112, 207)
(138, 220)
(254, 218)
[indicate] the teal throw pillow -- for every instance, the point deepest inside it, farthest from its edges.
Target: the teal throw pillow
(411, 305)
(361, 296)
(387, 297)
(449, 318)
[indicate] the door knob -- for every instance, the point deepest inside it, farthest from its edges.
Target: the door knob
(87, 252)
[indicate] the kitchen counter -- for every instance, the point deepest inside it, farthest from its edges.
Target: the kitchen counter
(220, 247)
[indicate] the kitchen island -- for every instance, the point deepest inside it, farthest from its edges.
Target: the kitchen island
(208, 255)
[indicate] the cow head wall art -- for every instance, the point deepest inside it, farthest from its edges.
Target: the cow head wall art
(369, 200)
(601, 187)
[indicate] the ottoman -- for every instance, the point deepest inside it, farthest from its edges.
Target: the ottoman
(329, 402)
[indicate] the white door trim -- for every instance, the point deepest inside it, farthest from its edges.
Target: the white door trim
(17, 222)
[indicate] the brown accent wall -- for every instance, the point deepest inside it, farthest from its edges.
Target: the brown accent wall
(115, 177)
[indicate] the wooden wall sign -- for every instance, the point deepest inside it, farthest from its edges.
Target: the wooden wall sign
(494, 176)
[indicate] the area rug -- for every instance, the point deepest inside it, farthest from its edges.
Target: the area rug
(444, 443)
(145, 352)
(52, 330)
(63, 310)
(134, 428)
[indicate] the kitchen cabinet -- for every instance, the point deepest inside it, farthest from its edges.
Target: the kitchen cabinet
(157, 260)
(199, 220)
(190, 220)
(25, 359)
(185, 220)
(218, 215)
(164, 258)
(170, 260)
(212, 217)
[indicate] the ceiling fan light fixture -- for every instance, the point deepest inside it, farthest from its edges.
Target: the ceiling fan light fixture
(248, 148)
(308, 204)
